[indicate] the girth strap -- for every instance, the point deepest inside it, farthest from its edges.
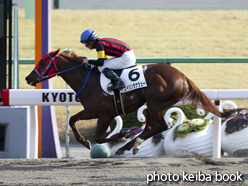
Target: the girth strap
(118, 103)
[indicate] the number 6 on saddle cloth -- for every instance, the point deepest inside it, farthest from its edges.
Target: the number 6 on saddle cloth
(132, 77)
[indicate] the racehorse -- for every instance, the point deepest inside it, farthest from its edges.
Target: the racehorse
(165, 87)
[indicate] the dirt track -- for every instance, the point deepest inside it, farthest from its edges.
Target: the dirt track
(121, 171)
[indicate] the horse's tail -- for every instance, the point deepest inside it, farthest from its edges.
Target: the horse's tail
(198, 98)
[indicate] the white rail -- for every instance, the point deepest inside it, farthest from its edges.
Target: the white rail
(45, 97)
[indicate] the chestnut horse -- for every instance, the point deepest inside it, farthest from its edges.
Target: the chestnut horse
(165, 87)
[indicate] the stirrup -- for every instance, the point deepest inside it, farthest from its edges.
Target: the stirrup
(117, 86)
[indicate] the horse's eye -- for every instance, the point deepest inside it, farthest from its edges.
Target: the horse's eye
(42, 64)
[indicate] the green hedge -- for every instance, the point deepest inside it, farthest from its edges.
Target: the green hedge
(130, 120)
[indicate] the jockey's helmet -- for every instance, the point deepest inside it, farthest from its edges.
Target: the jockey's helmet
(88, 35)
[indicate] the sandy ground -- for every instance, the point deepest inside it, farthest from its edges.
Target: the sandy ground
(80, 169)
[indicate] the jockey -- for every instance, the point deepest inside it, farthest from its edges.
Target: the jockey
(123, 56)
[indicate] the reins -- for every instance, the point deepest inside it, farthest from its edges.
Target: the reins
(41, 78)
(85, 79)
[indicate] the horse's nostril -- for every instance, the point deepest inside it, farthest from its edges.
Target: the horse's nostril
(26, 78)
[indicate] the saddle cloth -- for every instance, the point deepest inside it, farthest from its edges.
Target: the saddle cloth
(132, 77)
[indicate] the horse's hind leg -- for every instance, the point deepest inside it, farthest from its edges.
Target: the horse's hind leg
(83, 115)
(154, 127)
(156, 122)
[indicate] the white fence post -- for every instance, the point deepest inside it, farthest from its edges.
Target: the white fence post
(33, 132)
(16, 48)
(67, 136)
(217, 133)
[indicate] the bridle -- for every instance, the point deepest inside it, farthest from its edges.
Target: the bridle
(44, 74)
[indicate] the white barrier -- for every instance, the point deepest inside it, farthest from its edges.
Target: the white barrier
(47, 97)
(42, 97)
(68, 97)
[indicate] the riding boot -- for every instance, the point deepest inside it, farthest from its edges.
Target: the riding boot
(115, 79)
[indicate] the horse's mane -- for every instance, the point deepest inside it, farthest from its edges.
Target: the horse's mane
(72, 57)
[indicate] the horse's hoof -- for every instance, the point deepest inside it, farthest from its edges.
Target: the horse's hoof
(88, 145)
(135, 150)
(124, 131)
(123, 139)
(119, 152)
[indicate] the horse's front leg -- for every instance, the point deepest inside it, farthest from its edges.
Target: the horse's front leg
(102, 125)
(83, 115)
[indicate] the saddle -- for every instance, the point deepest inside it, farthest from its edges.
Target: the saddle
(133, 77)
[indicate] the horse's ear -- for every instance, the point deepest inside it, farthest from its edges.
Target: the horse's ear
(57, 51)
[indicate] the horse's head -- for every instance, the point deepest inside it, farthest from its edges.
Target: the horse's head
(45, 69)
